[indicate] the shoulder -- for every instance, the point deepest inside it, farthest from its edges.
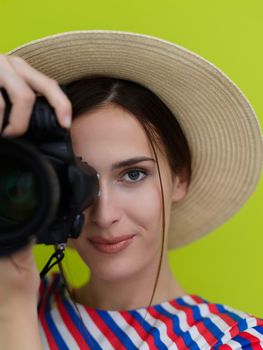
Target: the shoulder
(245, 331)
(221, 326)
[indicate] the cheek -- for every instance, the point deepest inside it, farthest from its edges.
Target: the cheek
(140, 211)
(144, 209)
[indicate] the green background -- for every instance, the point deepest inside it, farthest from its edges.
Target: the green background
(226, 265)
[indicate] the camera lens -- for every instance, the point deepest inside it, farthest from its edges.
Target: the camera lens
(18, 193)
(29, 193)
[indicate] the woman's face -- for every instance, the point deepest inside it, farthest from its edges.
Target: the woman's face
(113, 142)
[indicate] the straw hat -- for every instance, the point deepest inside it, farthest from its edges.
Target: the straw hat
(218, 121)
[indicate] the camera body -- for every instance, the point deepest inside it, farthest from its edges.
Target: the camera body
(44, 186)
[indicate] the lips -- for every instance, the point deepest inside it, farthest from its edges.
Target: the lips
(113, 240)
(113, 245)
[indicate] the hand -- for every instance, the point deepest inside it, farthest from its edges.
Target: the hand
(19, 276)
(19, 281)
(19, 284)
(22, 82)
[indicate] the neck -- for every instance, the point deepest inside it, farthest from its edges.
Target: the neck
(133, 292)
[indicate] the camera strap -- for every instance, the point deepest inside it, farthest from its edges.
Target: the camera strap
(58, 255)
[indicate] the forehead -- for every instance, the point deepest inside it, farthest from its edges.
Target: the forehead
(109, 132)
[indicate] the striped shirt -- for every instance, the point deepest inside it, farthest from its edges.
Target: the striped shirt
(188, 322)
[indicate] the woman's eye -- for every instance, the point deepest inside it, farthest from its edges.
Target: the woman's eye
(134, 175)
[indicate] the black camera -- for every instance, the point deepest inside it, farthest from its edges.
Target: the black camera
(44, 186)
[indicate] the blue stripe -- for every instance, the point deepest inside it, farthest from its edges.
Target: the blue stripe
(232, 314)
(176, 328)
(259, 329)
(120, 334)
(211, 326)
(150, 330)
(240, 322)
(245, 343)
(51, 325)
(80, 326)
(58, 340)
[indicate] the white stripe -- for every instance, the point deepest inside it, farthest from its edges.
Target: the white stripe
(215, 318)
(204, 307)
(236, 345)
(241, 314)
(252, 322)
(43, 337)
(60, 326)
(218, 321)
(233, 344)
(184, 326)
(189, 300)
(93, 329)
(63, 330)
(161, 326)
(129, 330)
(227, 336)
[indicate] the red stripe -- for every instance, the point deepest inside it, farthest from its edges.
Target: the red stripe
(205, 332)
(145, 336)
(43, 306)
(234, 330)
(254, 341)
(73, 330)
(202, 329)
(224, 347)
(225, 317)
(179, 341)
(188, 312)
(197, 299)
(105, 330)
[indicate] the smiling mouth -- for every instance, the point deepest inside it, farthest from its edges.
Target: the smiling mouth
(113, 245)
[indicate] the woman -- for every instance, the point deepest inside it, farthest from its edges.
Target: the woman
(162, 184)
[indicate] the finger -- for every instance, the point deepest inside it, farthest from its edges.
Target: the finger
(2, 108)
(21, 97)
(47, 87)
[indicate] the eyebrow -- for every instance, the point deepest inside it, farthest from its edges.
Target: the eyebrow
(130, 161)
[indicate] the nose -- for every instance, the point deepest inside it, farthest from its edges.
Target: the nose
(106, 210)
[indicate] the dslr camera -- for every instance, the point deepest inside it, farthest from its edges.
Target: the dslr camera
(44, 186)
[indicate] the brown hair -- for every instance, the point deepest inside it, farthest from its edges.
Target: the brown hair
(159, 123)
(156, 118)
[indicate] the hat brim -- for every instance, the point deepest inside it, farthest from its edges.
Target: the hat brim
(218, 121)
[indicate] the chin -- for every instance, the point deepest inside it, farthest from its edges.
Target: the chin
(111, 275)
(126, 264)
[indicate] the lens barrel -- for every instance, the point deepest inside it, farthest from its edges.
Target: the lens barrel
(29, 193)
